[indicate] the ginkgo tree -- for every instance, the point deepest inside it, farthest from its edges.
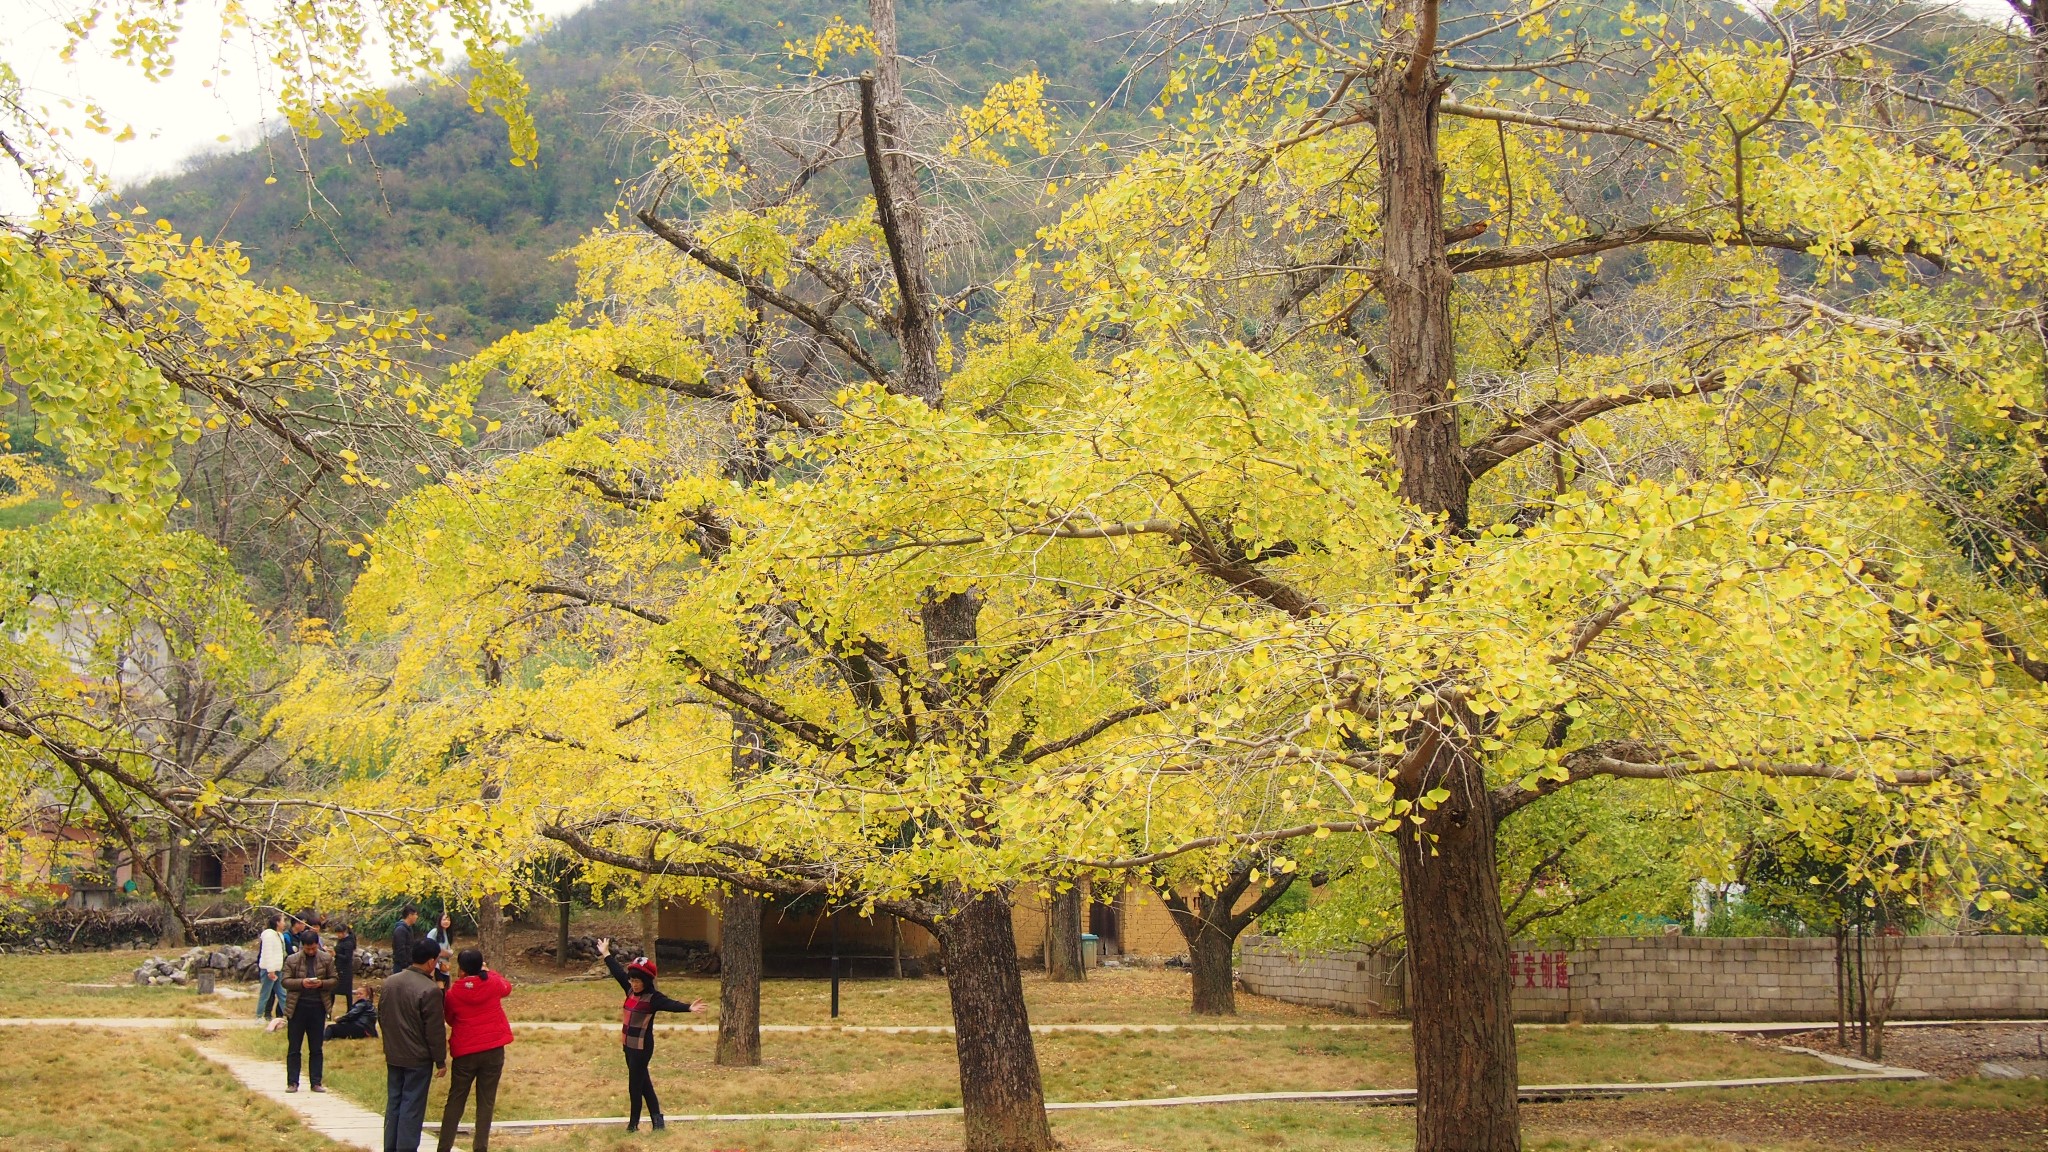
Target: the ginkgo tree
(136, 683)
(1209, 463)
(700, 549)
(1355, 461)
(1652, 387)
(137, 667)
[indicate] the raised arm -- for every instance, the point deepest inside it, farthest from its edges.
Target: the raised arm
(618, 972)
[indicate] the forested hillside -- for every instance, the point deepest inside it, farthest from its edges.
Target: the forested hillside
(436, 217)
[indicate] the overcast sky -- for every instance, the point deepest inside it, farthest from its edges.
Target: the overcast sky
(214, 100)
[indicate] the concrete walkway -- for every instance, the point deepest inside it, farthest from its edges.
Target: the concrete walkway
(327, 1113)
(1113, 1030)
(240, 1022)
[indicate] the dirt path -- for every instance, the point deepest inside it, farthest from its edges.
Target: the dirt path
(1836, 1124)
(1950, 1051)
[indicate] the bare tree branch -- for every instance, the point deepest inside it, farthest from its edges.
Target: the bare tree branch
(702, 390)
(766, 293)
(1549, 420)
(1660, 232)
(1562, 123)
(1631, 760)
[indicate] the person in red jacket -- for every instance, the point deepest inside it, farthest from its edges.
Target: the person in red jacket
(636, 1028)
(477, 1034)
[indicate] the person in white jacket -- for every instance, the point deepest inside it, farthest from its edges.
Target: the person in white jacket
(269, 966)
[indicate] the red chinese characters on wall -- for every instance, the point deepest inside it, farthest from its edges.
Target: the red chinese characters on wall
(1539, 970)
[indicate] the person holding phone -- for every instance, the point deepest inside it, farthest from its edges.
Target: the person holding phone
(308, 998)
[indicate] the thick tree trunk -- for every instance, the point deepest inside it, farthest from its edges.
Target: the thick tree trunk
(739, 980)
(1211, 922)
(177, 882)
(1215, 982)
(562, 910)
(491, 938)
(1000, 1089)
(1459, 993)
(739, 940)
(1450, 887)
(1416, 282)
(2035, 118)
(999, 1083)
(1063, 959)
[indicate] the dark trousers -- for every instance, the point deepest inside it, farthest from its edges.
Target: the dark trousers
(639, 1084)
(343, 1029)
(308, 1025)
(345, 984)
(482, 1068)
(405, 1106)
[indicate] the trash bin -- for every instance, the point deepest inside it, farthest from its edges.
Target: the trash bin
(1091, 950)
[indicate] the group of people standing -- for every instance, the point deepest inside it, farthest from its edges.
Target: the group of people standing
(299, 981)
(274, 948)
(434, 1022)
(459, 1032)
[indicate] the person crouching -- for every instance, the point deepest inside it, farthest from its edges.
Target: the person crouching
(359, 1022)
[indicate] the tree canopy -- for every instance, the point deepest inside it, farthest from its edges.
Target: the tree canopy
(1468, 439)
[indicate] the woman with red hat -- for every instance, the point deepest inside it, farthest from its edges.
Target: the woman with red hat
(636, 1030)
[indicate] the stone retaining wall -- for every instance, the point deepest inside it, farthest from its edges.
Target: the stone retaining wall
(1679, 978)
(1358, 982)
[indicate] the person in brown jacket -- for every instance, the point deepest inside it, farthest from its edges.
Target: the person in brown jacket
(415, 1046)
(308, 980)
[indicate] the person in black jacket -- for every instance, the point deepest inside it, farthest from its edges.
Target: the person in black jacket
(359, 1022)
(636, 1028)
(403, 935)
(344, 963)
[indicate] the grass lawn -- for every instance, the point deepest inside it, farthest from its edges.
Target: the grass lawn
(32, 513)
(1972, 1116)
(47, 986)
(73, 1090)
(567, 1074)
(97, 1090)
(136, 1091)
